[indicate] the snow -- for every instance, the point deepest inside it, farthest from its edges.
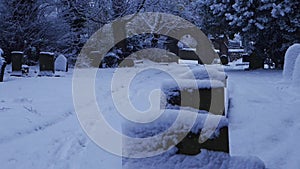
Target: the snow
(39, 127)
(1, 61)
(61, 63)
(205, 160)
(191, 84)
(236, 50)
(296, 73)
(47, 53)
(188, 41)
(263, 118)
(17, 52)
(204, 73)
(170, 128)
(289, 61)
(1, 52)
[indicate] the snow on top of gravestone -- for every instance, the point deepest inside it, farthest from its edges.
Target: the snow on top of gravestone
(289, 61)
(47, 53)
(189, 121)
(61, 63)
(296, 73)
(204, 72)
(190, 84)
(168, 130)
(17, 52)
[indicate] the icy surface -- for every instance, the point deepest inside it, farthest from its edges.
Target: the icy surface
(289, 61)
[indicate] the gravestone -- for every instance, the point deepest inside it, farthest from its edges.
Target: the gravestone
(208, 98)
(16, 59)
(224, 60)
(206, 95)
(61, 63)
(46, 62)
(191, 146)
(296, 73)
(2, 68)
(289, 61)
(189, 54)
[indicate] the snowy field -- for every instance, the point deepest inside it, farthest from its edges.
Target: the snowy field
(39, 128)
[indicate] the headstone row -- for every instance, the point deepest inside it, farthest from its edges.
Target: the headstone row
(47, 64)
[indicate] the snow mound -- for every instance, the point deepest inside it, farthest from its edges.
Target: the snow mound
(296, 73)
(289, 62)
(61, 63)
(167, 131)
(204, 160)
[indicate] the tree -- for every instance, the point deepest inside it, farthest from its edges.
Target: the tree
(266, 24)
(27, 25)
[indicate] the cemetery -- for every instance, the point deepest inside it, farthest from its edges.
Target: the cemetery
(150, 84)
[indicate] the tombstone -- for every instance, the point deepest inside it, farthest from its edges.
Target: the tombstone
(46, 62)
(256, 61)
(290, 60)
(16, 59)
(189, 54)
(2, 68)
(296, 73)
(191, 146)
(61, 63)
(208, 96)
(246, 58)
(224, 60)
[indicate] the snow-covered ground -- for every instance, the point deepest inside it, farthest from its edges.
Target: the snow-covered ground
(264, 118)
(39, 128)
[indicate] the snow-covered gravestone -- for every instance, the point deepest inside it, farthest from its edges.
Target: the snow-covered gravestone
(296, 73)
(46, 62)
(61, 63)
(289, 62)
